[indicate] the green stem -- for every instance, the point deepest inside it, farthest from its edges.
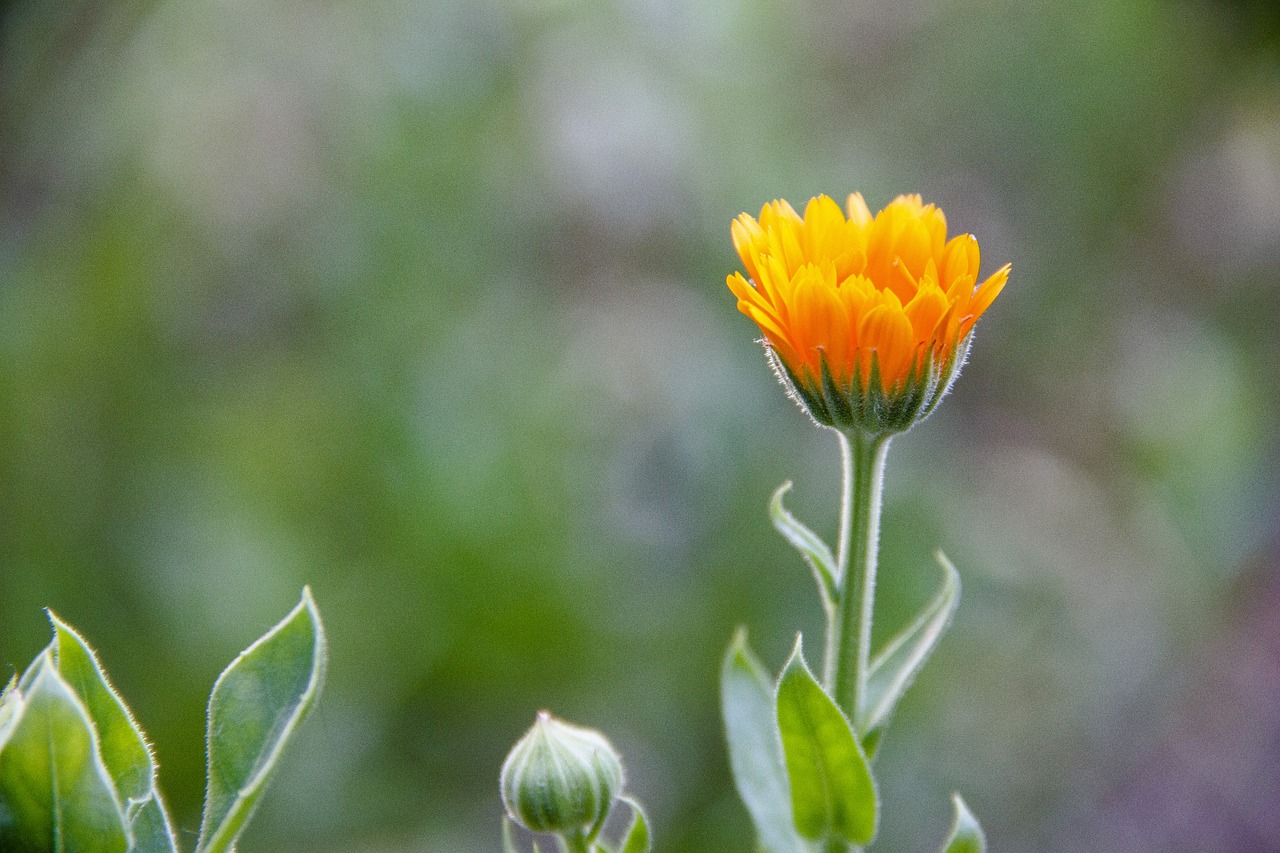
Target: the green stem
(831, 653)
(849, 631)
(575, 842)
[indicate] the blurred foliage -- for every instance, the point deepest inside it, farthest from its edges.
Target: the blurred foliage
(422, 303)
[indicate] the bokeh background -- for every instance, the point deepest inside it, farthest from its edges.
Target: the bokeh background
(422, 303)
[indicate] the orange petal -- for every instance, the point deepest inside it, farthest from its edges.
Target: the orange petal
(925, 310)
(747, 237)
(934, 222)
(985, 295)
(959, 258)
(889, 334)
(768, 325)
(819, 320)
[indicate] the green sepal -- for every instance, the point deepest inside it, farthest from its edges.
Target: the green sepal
(122, 745)
(871, 742)
(508, 838)
(508, 841)
(832, 792)
(10, 703)
(755, 751)
(966, 834)
(894, 668)
(56, 794)
(868, 406)
(256, 705)
(636, 839)
(809, 544)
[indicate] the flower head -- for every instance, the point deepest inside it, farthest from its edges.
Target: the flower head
(561, 778)
(867, 318)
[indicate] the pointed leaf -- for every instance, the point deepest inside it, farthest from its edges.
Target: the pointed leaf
(832, 792)
(124, 752)
(637, 838)
(256, 705)
(809, 544)
(966, 834)
(896, 666)
(755, 751)
(55, 793)
(152, 829)
(124, 749)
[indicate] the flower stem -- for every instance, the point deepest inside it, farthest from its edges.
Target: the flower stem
(575, 842)
(836, 846)
(848, 648)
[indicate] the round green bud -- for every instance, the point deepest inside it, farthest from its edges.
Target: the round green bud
(561, 778)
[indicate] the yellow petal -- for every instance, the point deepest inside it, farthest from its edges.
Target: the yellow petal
(859, 213)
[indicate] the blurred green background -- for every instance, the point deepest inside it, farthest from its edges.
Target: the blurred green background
(423, 303)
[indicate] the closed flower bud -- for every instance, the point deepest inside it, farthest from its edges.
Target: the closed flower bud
(561, 778)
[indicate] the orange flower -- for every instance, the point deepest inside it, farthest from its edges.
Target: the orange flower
(868, 319)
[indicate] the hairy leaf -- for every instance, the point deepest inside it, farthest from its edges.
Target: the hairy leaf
(832, 792)
(56, 794)
(755, 750)
(896, 666)
(809, 544)
(256, 705)
(966, 834)
(123, 747)
(637, 838)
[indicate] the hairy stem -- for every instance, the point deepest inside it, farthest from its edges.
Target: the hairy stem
(575, 842)
(849, 631)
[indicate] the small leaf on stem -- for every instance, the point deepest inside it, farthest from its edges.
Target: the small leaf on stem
(508, 841)
(809, 544)
(637, 838)
(755, 751)
(896, 666)
(966, 834)
(256, 705)
(833, 795)
(123, 747)
(55, 792)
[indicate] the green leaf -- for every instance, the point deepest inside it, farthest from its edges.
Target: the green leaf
(152, 828)
(832, 792)
(121, 743)
(256, 705)
(56, 795)
(966, 834)
(815, 551)
(637, 838)
(755, 751)
(896, 666)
